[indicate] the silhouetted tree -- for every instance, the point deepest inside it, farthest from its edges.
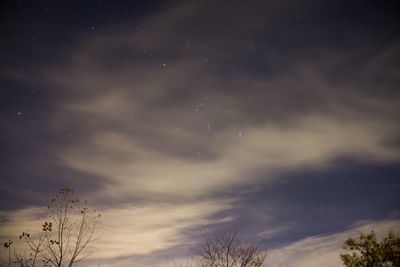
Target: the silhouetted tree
(64, 239)
(225, 249)
(7, 245)
(368, 252)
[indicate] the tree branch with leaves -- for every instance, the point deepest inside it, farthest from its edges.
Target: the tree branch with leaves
(65, 237)
(367, 251)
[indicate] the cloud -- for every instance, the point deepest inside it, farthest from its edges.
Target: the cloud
(139, 169)
(150, 124)
(14, 222)
(145, 229)
(147, 127)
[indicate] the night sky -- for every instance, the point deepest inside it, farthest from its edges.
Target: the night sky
(277, 118)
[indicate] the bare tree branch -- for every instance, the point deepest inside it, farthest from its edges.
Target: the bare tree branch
(225, 249)
(65, 237)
